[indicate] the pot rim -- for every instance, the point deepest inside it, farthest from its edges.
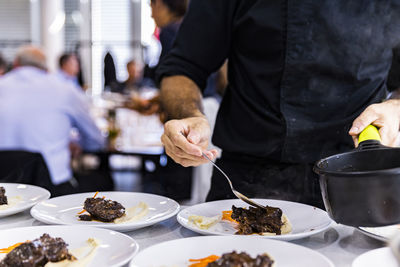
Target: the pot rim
(321, 171)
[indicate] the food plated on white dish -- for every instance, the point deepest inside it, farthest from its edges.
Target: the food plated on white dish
(120, 211)
(203, 250)
(284, 220)
(67, 246)
(15, 198)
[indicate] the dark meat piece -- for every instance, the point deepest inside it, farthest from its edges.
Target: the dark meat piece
(55, 249)
(37, 253)
(3, 198)
(104, 210)
(85, 217)
(27, 254)
(242, 260)
(257, 220)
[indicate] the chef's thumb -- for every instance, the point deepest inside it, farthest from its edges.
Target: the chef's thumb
(367, 117)
(359, 124)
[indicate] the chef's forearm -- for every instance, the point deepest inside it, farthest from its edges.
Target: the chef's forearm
(180, 97)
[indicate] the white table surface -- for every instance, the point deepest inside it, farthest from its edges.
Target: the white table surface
(341, 244)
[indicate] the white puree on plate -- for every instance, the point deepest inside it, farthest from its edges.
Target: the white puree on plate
(134, 213)
(204, 223)
(12, 202)
(84, 255)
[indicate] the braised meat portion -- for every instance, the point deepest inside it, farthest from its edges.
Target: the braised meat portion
(3, 198)
(104, 210)
(37, 253)
(242, 260)
(55, 249)
(257, 221)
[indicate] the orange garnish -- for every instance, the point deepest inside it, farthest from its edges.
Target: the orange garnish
(204, 261)
(227, 215)
(82, 211)
(10, 248)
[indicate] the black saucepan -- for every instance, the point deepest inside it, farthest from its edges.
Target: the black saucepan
(362, 187)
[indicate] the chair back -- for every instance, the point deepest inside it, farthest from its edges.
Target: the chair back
(18, 166)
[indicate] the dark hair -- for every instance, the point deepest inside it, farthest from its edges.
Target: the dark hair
(64, 58)
(178, 7)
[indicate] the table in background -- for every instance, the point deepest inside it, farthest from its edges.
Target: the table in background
(341, 244)
(138, 140)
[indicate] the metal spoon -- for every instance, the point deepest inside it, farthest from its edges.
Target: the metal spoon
(237, 194)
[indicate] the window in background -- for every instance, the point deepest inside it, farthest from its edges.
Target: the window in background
(113, 24)
(15, 26)
(73, 20)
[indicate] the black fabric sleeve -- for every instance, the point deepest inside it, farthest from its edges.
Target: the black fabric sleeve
(202, 43)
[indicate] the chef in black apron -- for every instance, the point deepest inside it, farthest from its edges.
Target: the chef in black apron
(300, 72)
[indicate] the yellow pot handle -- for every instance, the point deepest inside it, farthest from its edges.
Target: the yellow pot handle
(369, 133)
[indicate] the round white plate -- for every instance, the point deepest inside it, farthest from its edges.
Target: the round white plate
(383, 233)
(27, 195)
(115, 249)
(65, 209)
(306, 220)
(177, 252)
(374, 258)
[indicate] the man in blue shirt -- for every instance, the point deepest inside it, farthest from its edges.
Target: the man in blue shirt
(69, 69)
(38, 111)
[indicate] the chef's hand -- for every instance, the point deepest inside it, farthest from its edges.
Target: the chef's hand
(385, 116)
(186, 139)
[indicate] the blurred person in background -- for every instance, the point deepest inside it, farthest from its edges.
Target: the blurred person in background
(37, 113)
(167, 15)
(69, 69)
(3, 65)
(135, 80)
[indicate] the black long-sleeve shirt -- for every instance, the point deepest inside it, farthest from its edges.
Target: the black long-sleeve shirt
(299, 71)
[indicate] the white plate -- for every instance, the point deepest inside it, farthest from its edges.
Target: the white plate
(64, 209)
(176, 253)
(28, 196)
(115, 249)
(306, 220)
(383, 233)
(381, 257)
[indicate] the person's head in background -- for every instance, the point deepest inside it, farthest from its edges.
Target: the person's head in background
(3, 65)
(69, 64)
(165, 12)
(134, 70)
(30, 56)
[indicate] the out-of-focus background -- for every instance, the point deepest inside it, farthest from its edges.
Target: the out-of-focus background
(80, 97)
